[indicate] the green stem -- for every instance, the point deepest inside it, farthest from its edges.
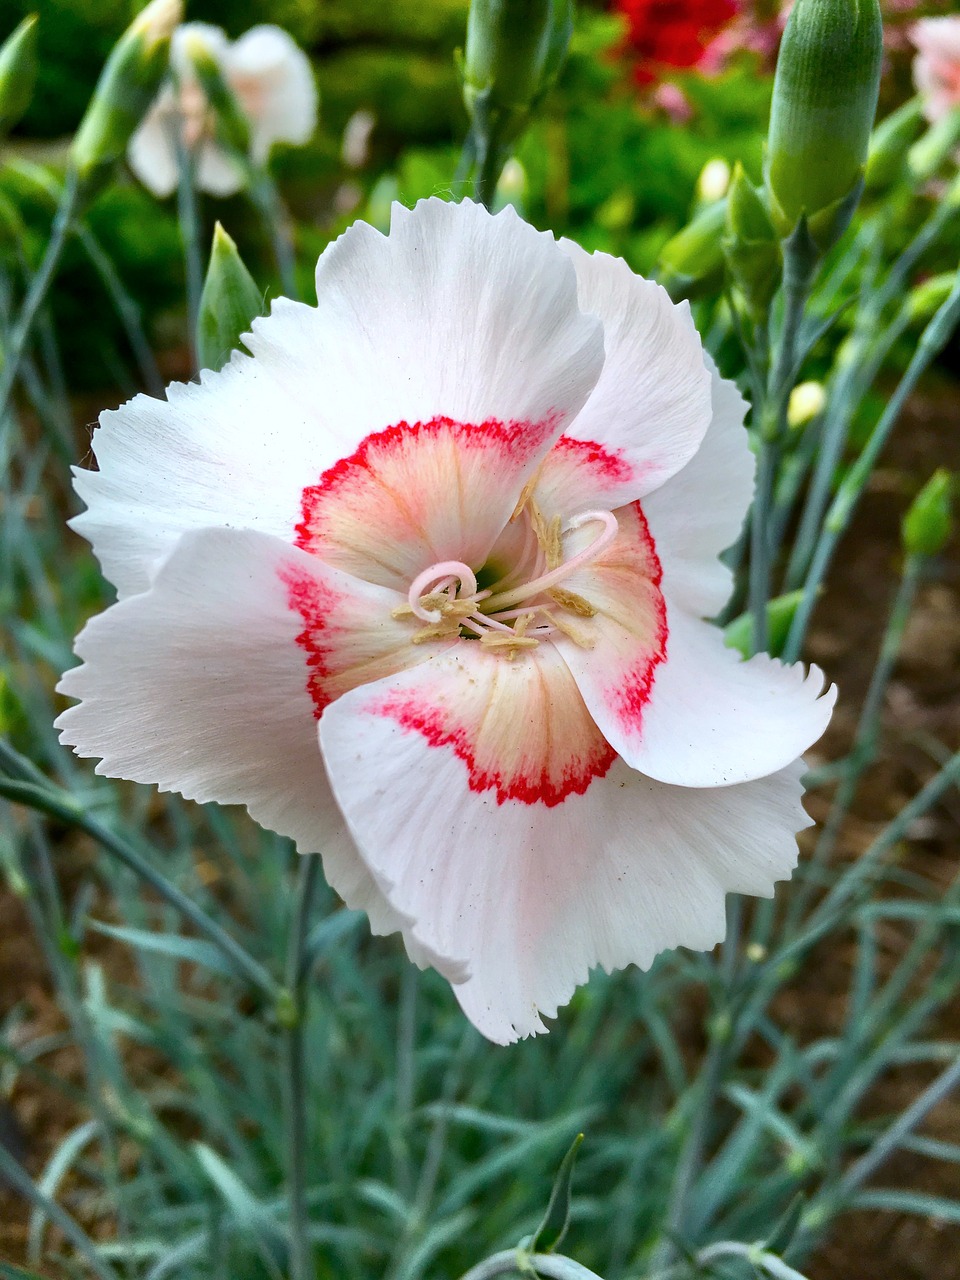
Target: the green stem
(62, 225)
(189, 219)
(932, 340)
(865, 739)
(294, 1068)
(126, 308)
(276, 218)
(489, 163)
(65, 809)
(800, 262)
(690, 1162)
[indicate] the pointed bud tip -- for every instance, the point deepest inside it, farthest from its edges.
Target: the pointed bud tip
(929, 521)
(158, 21)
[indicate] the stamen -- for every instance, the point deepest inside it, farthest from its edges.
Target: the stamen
(426, 584)
(554, 576)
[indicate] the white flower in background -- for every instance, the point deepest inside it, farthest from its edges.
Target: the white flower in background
(273, 83)
(421, 583)
(936, 68)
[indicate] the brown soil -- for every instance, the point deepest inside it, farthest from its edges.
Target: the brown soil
(923, 702)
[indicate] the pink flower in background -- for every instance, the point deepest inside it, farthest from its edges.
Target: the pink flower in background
(273, 83)
(421, 582)
(936, 68)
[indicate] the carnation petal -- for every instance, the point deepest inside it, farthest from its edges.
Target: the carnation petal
(150, 152)
(457, 314)
(528, 895)
(700, 511)
(710, 719)
(209, 685)
(650, 408)
(274, 82)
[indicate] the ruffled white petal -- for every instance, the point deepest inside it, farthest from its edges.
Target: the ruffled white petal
(457, 313)
(150, 152)
(234, 451)
(217, 172)
(532, 896)
(700, 511)
(203, 685)
(710, 719)
(274, 83)
(650, 408)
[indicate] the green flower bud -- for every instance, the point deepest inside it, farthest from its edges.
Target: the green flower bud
(824, 100)
(232, 127)
(937, 144)
(738, 634)
(514, 50)
(751, 245)
(229, 302)
(890, 143)
(127, 85)
(928, 524)
(18, 72)
(693, 259)
(927, 298)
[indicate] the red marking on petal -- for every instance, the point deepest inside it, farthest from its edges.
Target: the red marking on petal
(315, 602)
(634, 555)
(389, 489)
(533, 786)
(610, 466)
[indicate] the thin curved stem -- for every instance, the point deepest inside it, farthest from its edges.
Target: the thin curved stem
(294, 1068)
(513, 1262)
(59, 232)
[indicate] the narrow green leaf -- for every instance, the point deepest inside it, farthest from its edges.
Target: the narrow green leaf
(229, 302)
(175, 945)
(553, 1228)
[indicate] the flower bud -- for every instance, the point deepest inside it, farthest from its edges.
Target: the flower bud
(890, 143)
(714, 180)
(229, 302)
(807, 400)
(928, 523)
(693, 259)
(514, 50)
(751, 245)
(127, 85)
(824, 100)
(18, 72)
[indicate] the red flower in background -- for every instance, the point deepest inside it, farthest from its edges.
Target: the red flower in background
(671, 33)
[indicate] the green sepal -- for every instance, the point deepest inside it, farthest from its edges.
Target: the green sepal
(929, 521)
(549, 1235)
(890, 142)
(229, 302)
(751, 245)
(738, 634)
(513, 54)
(693, 259)
(18, 72)
(824, 100)
(130, 80)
